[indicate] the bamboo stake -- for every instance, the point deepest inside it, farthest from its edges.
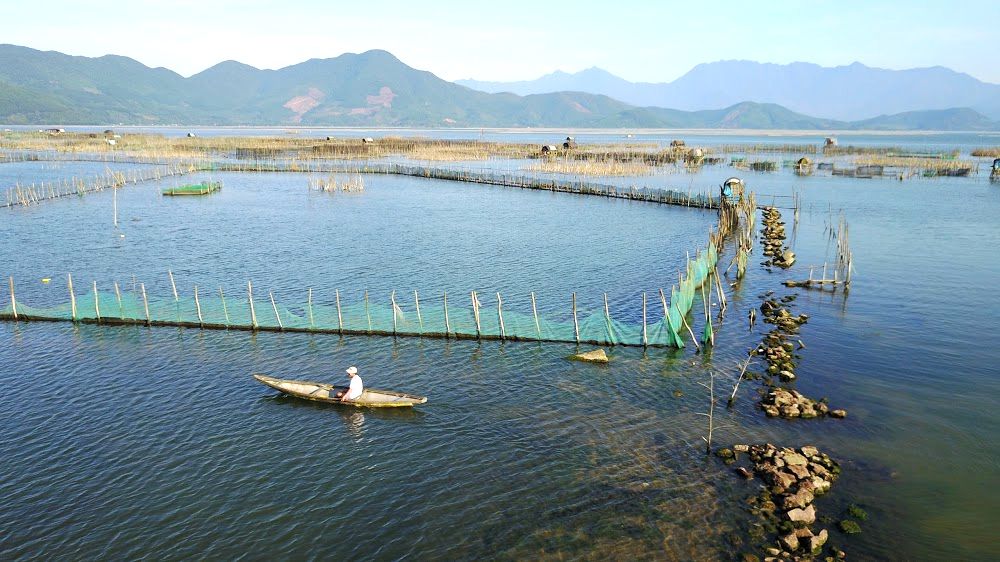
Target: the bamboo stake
(503, 332)
(644, 340)
(340, 318)
(475, 313)
(225, 310)
(576, 324)
(368, 313)
(309, 302)
(118, 297)
(253, 313)
(197, 306)
(690, 331)
(534, 311)
(145, 301)
(607, 318)
(97, 304)
(275, 307)
(13, 300)
(173, 285)
(416, 303)
(114, 203)
(447, 324)
(711, 410)
(392, 298)
(72, 297)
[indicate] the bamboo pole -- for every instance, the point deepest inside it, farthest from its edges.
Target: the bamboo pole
(645, 342)
(475, 313)
(534, 311)
(447, 324)
(503, 331)
(576, 324)
(416, 303)
(173, 285)
(72, 297)
(309, 303)
(13, 300)
(607, 318)
(97, 304)
(340, 318)
(275, 307)
(225, 310)
(368, 313)
(392, 298)
(114, 204)
(145, 301)
(118, 297)
(253, 313)
(197, 306)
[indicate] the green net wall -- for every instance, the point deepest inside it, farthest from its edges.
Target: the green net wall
(380, 316)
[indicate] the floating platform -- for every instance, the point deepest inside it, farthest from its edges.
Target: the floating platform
(203, 188)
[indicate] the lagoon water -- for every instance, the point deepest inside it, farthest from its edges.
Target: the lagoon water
(129, 442)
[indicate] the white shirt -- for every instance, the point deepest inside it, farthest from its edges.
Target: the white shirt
(355, 389)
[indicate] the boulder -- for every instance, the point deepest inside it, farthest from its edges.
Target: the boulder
(742, 471)
(838, 413)
(805, 516)
(816, 542)
(800, 472)
(802, 498)
(790, 541)
(741, 448)
(786, 375)
(594, 356)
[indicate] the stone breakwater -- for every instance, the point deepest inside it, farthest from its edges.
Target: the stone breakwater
(772, 238)
(784, 512)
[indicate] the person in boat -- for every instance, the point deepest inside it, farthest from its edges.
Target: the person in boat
(356, 388)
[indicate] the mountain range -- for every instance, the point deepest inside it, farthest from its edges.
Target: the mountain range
(371, 89)
(849, 93)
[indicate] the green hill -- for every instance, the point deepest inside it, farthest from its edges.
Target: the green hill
(367, 90)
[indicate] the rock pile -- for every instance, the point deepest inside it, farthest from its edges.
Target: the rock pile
(785, 509)
(772, 236)
(777, 350)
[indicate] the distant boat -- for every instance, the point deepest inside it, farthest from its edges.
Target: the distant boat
(321, 392)
(203, 188)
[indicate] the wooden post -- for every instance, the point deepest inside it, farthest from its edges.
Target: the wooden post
(173, 285)
(534, 311)
(118, 297)
(416, 302)
(72, 297)
(225, 310)
(447, 324)
(644, 341)
(309, 303)
(275, 307)
(197, 306)
(503, 331)
(97, 304)
(576, 324)
(340, 319)
(253, 313)
(475, 312)
(145, 301)
(114, 204)
(368, 313)
(392, 299)
(13, 301)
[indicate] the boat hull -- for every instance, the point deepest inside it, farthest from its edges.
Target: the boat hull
(323, 392)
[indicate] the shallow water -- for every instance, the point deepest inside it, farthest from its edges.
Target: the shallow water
(129, 442)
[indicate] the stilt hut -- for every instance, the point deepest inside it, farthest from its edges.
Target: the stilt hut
(732, 190)
(569, 143)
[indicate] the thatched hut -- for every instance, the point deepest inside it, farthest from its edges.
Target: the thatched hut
(367, 140)
(995, 171)
(548, 148)
(803, 166)
(830, 141)
(677, 143)
(569, 143)
(190, 135)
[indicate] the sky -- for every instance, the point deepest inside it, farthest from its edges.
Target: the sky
(655, 41)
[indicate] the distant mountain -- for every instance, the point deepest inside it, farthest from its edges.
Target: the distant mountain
(850, 92)
(370, 89)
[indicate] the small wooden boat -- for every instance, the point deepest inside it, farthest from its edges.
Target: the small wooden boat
(322, 392)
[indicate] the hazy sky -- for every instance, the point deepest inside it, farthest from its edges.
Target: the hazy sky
(514, 39)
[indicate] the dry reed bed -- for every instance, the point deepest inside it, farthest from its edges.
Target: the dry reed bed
(593, 168)
(987, 152)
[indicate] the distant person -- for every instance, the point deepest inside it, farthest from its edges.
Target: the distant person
(356, 388)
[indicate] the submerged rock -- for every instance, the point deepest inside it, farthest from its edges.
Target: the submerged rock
(594, 356)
